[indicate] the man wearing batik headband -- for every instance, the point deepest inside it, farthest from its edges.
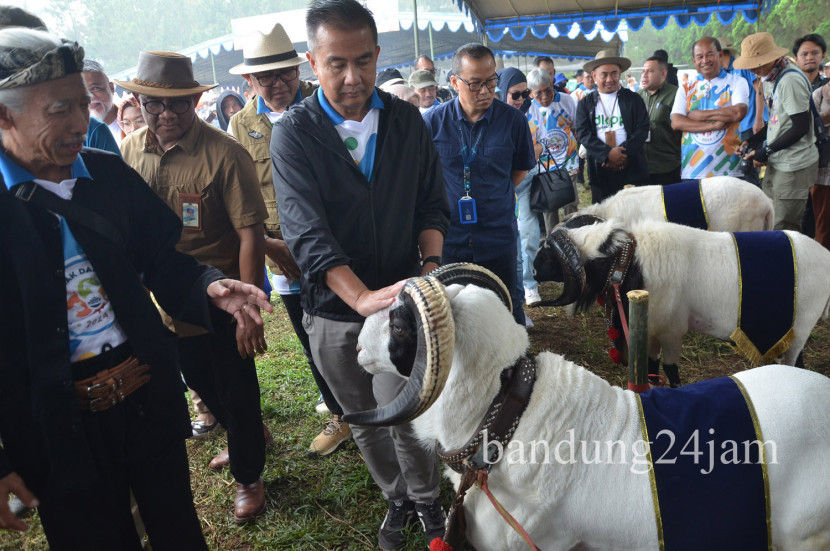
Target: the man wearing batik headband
(91, 401)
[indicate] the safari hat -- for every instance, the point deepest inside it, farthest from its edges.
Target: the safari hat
(757, 50)
(422, 79)
(727, 46)
(264, 52)
(606, 57)
(165, 75)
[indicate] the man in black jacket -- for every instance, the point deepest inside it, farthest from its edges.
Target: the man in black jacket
(91, 403)
(360, 192)
(613, 126)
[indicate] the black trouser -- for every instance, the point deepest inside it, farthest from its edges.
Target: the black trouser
(132, 451)
(295, 314)
(664, 178)
(504, 266)
(228, 385)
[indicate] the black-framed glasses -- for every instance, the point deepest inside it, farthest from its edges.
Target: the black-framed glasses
(269, 80)
(178, 106)
(475, 87)
(524, 94)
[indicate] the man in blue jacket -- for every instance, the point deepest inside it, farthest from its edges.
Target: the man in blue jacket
(360, 193)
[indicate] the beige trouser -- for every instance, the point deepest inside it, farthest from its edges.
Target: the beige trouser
(789, 192)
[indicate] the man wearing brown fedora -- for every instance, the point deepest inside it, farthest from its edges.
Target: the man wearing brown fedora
(271, 67)
(209, 181)
(613, 126)
(787, 143)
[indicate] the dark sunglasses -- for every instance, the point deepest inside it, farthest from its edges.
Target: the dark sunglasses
(516, 95)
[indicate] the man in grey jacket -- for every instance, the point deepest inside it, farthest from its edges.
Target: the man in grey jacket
(360, 192)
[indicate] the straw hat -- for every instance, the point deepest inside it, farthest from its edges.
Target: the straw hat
(606, 57)
(165, 75)
(757, 50)
(264, 52)
(727, 46)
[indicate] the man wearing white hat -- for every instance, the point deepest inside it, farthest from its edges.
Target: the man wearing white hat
(271, 68)
(209, 181)
(613, 126)
(787, 142)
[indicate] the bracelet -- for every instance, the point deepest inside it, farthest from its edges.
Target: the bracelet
(436, 259)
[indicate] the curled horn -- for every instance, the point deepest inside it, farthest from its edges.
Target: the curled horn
(433, 358)
(465, 273)
(580, 220)
(572, 268)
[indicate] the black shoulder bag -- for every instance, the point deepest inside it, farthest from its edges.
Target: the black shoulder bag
(551, 190)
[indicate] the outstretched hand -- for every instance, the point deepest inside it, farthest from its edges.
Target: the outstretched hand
(12, 483)
(369, 302)
(241, 300)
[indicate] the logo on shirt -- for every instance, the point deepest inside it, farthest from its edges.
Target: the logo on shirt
(602, 120)
(254, 134)
(708, 138)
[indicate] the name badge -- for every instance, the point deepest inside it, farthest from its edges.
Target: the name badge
(467, 210)
(611, 138)
(190, 206)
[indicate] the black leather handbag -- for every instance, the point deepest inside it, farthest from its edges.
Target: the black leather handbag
(551, 190)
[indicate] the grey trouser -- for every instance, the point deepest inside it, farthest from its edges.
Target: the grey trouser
(398, 463)
(789, 192)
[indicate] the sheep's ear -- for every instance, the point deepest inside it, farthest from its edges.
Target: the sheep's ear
(433, 358)
(465, 273)
(573, 271)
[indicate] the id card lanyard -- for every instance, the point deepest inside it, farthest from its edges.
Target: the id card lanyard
(467, 205)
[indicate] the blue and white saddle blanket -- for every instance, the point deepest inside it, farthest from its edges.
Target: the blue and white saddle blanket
(708, 472)
(683, 204)
(767, 301)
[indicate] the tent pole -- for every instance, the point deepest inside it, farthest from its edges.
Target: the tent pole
(212, 66)
(431, 49)
(415, 28)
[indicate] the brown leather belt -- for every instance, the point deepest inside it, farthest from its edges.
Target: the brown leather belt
(110, 387)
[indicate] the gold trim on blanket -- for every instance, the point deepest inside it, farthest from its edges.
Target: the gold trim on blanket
(760, 437)
(652, 481)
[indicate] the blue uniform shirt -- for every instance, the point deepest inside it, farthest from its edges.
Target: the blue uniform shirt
(505, 146)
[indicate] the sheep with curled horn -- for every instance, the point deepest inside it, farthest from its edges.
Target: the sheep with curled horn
(693, 278)
(725, 204)
(456, 342)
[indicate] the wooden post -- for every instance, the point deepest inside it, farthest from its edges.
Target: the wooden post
(638, 341)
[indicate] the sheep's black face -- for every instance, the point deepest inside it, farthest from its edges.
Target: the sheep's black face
(403, 336)
(547, 267)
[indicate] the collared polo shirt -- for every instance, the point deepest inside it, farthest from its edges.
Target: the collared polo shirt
(505, 146)
(209, 180)
(359, 137)
(707, 154)
(663, 149)
(558, 121)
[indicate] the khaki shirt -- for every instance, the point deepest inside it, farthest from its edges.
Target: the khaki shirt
(253, 130)
(209, 180)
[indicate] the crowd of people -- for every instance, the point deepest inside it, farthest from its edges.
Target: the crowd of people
(328, 194)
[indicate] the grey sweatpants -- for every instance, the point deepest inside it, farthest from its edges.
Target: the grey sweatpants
(398, 463)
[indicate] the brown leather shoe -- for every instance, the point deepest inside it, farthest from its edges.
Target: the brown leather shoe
(220, 461)
(224, 459)
(249, 502)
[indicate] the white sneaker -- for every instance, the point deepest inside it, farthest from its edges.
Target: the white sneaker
(528, 322)
(532, 296)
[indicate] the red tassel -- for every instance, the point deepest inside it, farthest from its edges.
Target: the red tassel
(616, 355)
(600, 301)
(613, 334)
(439, 545)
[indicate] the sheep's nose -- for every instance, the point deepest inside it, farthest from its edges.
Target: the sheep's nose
(358, 348)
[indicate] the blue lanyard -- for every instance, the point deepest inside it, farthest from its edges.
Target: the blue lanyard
(468, 158)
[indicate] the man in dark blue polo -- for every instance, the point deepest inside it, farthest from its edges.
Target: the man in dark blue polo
(486, 150)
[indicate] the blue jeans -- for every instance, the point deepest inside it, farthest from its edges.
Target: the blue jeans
(529, 233)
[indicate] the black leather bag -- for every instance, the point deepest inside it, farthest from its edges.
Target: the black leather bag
(551, 190)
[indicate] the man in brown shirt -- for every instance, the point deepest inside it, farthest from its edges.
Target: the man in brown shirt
(209, 180)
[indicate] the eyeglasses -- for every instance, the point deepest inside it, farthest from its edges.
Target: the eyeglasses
(269, 80)
(475, 87)
(524, 94)
(179, 106)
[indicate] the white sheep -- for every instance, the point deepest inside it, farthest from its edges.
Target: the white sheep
(464, 336)
(691, 276)
(732, 204)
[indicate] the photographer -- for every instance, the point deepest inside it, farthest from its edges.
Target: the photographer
(786, 144)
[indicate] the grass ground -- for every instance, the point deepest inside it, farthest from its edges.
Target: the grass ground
(332, 504)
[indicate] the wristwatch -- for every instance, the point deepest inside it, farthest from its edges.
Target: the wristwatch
(437, 259)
